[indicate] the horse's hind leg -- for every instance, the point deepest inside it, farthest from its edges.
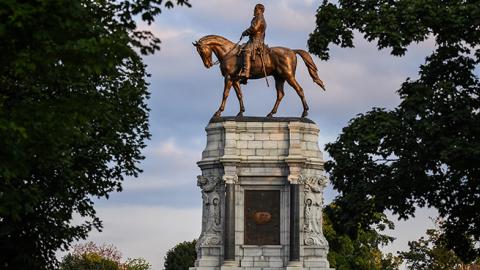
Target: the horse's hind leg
(293, 82)
(226, 91)
(279, 83)
(238, 91)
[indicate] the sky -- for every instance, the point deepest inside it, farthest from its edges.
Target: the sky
(162, 207)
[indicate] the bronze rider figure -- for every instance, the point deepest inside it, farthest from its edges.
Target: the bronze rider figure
(256, 33)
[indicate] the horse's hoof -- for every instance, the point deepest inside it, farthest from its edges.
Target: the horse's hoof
(270, 115)
(304, 114)
(217, 114)
(240, 114)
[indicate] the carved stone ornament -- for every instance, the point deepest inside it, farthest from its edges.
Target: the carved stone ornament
(211, 219)
(313, 202)
(230, 179)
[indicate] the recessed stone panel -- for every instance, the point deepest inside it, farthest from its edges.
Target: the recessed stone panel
(262, 217)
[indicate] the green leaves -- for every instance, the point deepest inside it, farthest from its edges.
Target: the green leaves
(181, 257)
(330, 28)
(432, 253)
(359, 251)
(426, 151)
(73, 118)
(395, 24)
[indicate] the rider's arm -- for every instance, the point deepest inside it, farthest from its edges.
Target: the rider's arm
(254, 27)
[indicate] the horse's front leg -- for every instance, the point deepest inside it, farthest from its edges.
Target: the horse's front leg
(226, 91)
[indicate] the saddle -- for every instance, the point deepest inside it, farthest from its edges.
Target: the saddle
(258, 49)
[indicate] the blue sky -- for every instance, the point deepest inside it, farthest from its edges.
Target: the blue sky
(162, 206)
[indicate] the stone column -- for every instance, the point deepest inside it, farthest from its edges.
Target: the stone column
(294, 223)
(229, 232)
(295, 160)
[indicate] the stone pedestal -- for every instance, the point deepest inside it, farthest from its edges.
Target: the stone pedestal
(262, 187)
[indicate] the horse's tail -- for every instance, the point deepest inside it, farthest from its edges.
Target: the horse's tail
(312, 68)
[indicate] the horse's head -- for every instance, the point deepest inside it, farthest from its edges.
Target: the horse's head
(205, 53)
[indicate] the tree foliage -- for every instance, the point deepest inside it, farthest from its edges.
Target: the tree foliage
(181, 257)
(425, 152)
(430, 252)
(106, 257)
(88, 262)
(73, 117)
(361, 252)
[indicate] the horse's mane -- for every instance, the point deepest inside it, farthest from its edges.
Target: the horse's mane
(214, 39)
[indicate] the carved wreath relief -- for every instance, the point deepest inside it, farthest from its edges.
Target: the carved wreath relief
(211, 220)
(313, 202)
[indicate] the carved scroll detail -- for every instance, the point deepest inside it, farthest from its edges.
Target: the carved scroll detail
(211, 219)
(313, 202)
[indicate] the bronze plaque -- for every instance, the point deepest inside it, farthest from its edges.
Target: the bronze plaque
(262, 217)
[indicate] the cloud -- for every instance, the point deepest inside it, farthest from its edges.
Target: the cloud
(167, 165)
(146, 231)
(170, 149)
(301, 16)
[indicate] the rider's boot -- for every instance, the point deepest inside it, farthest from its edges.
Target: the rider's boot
(245, 72)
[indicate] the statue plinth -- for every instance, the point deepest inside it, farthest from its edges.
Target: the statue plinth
(262, 186)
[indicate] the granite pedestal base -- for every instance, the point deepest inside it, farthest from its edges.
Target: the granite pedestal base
(262, 187)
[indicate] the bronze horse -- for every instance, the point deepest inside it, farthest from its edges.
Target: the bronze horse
(280, 62)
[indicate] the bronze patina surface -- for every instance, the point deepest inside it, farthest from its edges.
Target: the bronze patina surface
(262, 217)
(279, 62)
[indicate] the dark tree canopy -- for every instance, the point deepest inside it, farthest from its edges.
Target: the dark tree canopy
(73, 117)
(425, 152)
(181, 257)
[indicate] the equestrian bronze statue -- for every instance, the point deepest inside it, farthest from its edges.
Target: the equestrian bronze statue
(278, 62)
